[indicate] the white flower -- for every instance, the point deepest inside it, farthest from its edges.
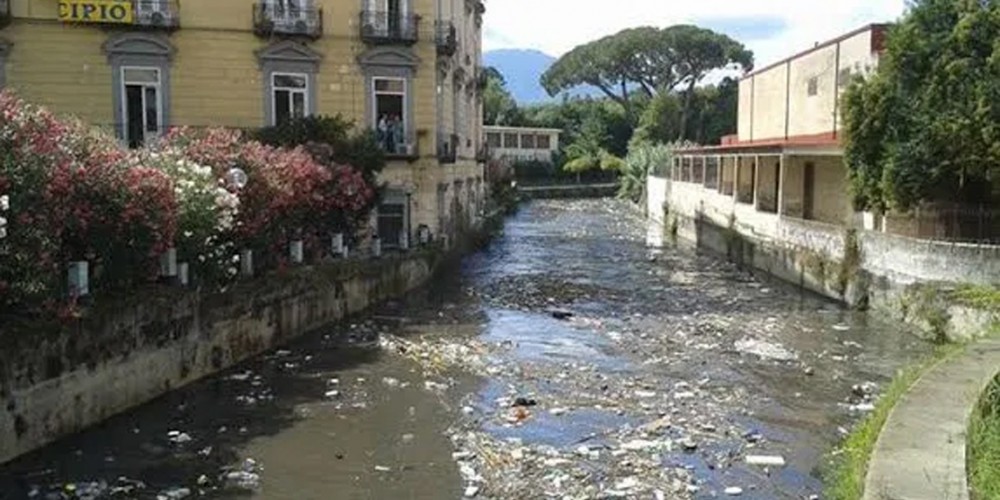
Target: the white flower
(5, 202)
(236, 259)
(188, 234)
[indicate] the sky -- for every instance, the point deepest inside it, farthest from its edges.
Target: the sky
(773, 29)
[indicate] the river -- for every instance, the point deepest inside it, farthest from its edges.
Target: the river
(567, 359)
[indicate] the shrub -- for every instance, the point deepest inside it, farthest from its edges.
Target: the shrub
(73, 194)
(289, 194)
(69, 192)
(359, 149)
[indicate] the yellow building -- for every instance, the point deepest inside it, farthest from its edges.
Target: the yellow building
(409, 69)
(786, 158)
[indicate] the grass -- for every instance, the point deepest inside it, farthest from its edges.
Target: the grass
(978, 296)
(845, 479)
(984, 445)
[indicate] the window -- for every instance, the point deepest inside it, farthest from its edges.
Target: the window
(542, 142)
(813, 86)
(844, 77)
(493, 139)
(391, 223)
(510, 141)
(289, 96)
(527, 141)
(142, 105)
(390, 114)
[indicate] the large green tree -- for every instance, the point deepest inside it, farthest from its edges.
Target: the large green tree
(926, 125)
(646, 61)
(713, 115)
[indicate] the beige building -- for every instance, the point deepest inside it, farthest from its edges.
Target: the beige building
(512, 144)
(786, 157)
(409, 69)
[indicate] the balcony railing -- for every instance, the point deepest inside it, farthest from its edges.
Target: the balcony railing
(271, 18)
(4, 13)
(163, 14)
(448, 149)
(386, 28)
(446, 38)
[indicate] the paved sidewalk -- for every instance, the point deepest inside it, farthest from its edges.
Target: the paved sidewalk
(921, 451)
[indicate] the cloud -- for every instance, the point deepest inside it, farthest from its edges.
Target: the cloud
(771, 28)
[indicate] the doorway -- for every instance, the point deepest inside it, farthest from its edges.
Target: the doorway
(394, 13)
(808, 190)
(142, 105)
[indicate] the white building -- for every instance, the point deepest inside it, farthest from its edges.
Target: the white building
(522, 143)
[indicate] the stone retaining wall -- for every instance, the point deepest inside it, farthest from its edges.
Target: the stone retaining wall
(896, 274)
(60, 378)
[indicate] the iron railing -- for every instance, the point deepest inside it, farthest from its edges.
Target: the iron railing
(446, 38)
(271, 18)
(387, 28)
(163, 14)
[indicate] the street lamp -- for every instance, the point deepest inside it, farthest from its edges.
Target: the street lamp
(237, 178)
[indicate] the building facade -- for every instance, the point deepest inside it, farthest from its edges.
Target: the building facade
(408, 69)
(786, 156)
(512, 144)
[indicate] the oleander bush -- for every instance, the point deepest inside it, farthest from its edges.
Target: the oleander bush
(69, 192)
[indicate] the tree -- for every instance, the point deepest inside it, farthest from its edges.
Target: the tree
(926, 126)
(356, 147)
(713, 110)
(660, 122)
(646, 61)
(641, 161)
(499, 107)
(600, 63)
(699, 52)
(587, 152)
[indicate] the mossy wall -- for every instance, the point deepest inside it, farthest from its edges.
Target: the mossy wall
(59, 378)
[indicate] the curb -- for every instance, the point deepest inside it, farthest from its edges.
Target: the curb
(920, 452)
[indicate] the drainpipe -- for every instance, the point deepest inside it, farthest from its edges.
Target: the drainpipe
(788, 96)
(753, 100)
(836, 91)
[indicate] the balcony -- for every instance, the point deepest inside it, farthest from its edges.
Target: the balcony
(156, 14)
(389, 28)
(4, 13)
(446, 38)
(271, 18)
(448, 149)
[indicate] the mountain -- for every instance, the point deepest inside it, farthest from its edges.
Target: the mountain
(521, 68)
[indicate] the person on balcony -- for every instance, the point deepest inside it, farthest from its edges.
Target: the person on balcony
(396, 130)
(382, 133)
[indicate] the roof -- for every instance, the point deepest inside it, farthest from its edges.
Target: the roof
(878, 30)
(498, 128)
(817, 141)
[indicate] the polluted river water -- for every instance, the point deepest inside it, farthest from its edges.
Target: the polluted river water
(567, 359)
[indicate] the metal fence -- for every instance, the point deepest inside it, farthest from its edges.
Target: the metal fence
(971, 224)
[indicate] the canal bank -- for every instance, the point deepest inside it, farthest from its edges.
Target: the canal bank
(564, 358)
(914, 280)
(62, 376)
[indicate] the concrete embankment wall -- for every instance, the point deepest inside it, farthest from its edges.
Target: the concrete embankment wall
(905, 277)
(60, 378)
(569, 191)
